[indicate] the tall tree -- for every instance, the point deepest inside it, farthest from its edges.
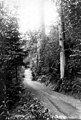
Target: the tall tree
(61, 40)
(42, 30)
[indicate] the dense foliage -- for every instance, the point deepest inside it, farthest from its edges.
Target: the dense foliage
(48, 65)
(47, 68)
(72, 32)
(49, 55)
(11, 59)
(72, 14)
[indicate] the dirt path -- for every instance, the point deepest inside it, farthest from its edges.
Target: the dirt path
(60, 105)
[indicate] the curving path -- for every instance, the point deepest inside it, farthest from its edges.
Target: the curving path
(60, 105)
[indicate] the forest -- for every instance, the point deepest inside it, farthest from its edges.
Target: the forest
(54, 59)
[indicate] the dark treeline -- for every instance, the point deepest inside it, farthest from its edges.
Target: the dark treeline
(11, 60)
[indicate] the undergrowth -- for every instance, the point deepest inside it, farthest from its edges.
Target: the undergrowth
(30, 108)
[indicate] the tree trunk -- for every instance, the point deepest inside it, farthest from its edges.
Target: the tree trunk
(42, 31)
(61, 42)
